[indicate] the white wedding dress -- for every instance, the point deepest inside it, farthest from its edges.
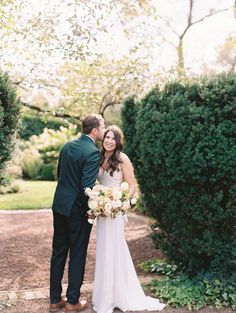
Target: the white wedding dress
(116, 283)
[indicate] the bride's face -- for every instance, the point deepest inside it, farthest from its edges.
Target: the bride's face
(109, 143)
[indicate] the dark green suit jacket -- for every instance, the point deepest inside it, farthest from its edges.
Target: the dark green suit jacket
(77, 168)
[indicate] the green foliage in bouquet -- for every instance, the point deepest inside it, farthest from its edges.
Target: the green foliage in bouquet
(187, 170)
(9, 120)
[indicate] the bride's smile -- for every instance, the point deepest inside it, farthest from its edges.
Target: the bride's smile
(109, 142)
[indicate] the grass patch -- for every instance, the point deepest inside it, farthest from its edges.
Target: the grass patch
(32, 195)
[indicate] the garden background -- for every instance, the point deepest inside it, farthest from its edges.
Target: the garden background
(165, 72)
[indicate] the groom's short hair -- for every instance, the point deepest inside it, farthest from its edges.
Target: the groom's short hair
(91, 121)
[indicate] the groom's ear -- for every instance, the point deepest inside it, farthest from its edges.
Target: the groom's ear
(94, 131)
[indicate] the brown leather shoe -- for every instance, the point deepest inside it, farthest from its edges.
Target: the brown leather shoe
(78, 307)
(56, 307)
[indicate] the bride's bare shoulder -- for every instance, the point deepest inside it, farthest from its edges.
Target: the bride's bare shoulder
(124, 157)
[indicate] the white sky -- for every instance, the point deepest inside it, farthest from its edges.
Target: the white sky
(202, 41)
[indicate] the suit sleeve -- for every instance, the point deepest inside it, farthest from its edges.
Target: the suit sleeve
(59, 164)
(89, 175)
(90, 170)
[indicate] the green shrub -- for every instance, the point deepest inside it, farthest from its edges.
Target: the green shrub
(49, 172)
(39, 155)
(31, 164)
(128, 119)
(50, 142)
(9, 120)
(34, 125)
(187, 169)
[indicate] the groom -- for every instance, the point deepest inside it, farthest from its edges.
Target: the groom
(77, 168)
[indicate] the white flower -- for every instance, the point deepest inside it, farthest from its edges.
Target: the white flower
(117, 194)
(107, 207)
(97, 188)
(91, 193)
(92, 204)
(87, 191)
(118, 203)
(124, 186)
(107, 200)
(133, 201)
(91, 221)
(103, 188)
(113, 203)
(95, 193)
(126, 205)
(100, 202)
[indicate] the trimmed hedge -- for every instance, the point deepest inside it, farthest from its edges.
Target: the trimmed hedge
(128, 120)
(9, 121)
(187, 169)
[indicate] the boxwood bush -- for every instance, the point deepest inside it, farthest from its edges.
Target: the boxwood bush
(128, 123)
(9, 121)
(186, 136)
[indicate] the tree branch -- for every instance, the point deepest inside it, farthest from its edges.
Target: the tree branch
(168, 24)
(51, 113)
(108, 104)
(201, 19)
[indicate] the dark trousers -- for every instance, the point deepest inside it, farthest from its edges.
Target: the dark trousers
(71, 233)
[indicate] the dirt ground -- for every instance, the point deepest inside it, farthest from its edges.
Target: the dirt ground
(25, 250)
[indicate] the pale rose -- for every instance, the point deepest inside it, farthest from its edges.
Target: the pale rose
(114, 204)
(117, 194)
(95, 193)
(107, 200)
(97, 188)
(133, 201)
(126, 205)
(103, 188)
(100, 202)
(92, 204)
(107, 206)
(124, 186)
(118, 203)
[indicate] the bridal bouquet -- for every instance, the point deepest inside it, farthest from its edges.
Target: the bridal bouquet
(108, 202)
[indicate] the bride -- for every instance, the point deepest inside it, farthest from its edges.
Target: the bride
(116, 283)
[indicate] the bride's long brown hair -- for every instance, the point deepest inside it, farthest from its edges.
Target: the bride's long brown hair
(115, 159)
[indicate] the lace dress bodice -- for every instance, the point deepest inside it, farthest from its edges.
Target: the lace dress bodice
(106, 179)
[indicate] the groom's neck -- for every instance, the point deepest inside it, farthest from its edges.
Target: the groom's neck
(91, 136)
